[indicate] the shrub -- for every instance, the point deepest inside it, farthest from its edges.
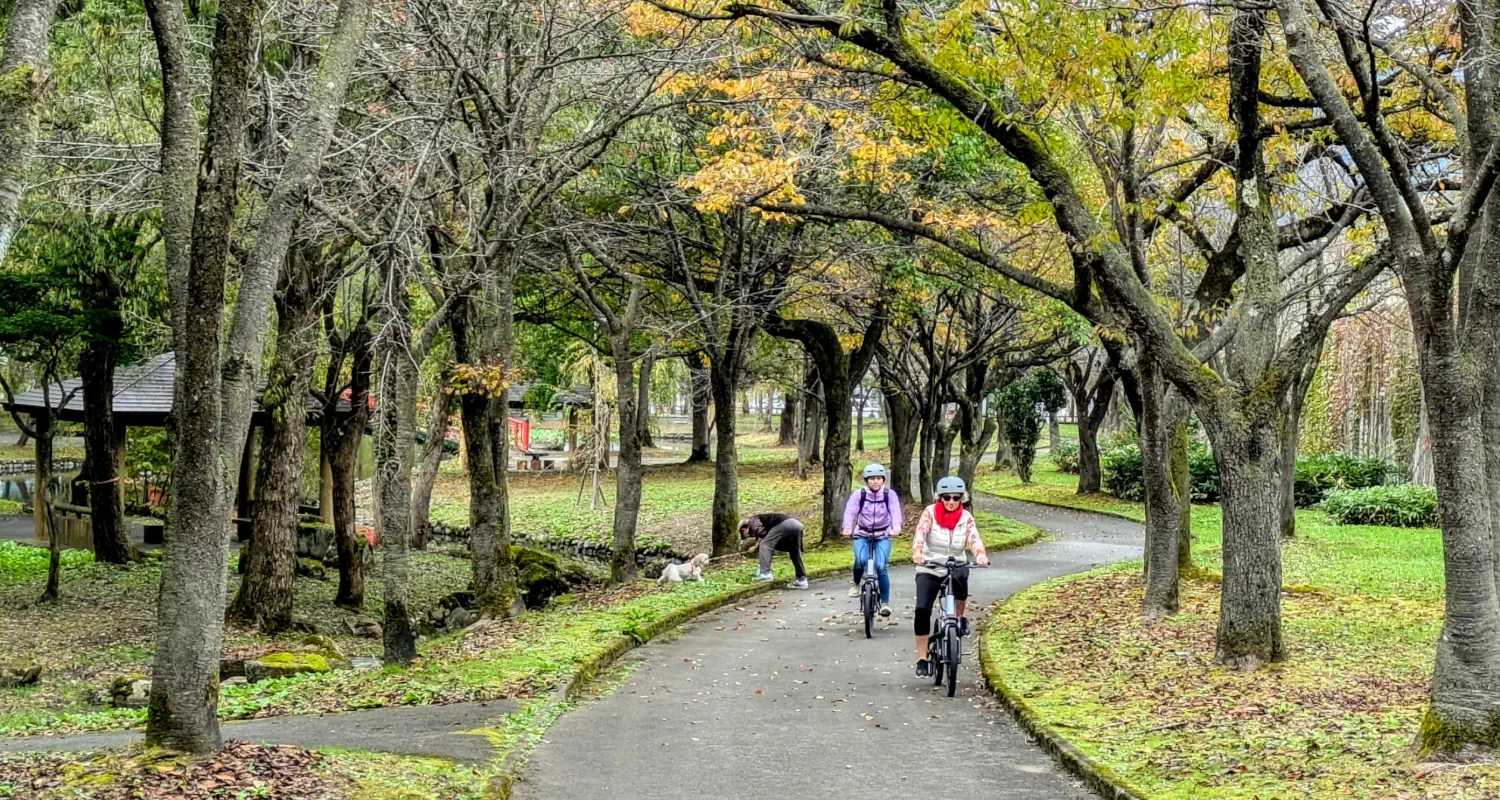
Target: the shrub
(1317, 475)
(1406, 506)
(1203, 474)
(1065, 457)
(1122, 472)
(1124, 475)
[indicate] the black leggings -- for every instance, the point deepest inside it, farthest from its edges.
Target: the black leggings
(927, 592)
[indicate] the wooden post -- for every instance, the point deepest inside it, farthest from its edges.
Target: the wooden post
(121, 440)
(38, 508)
(325, 484)
(572, 428)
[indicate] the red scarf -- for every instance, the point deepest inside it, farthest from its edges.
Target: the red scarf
(945, 519)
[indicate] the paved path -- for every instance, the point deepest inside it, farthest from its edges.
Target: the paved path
(408, 730)
(784, 697)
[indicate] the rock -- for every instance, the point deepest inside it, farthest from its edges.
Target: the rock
(313, 538)
(322, 645)
(461, 618)
(280, 665)
(303, 626)
(238, 680)
(231, 668)
(364, 626)
(13, 675)
(130, 692)
(653, 567)
(365, 662)
(457, 600)
(311, 568)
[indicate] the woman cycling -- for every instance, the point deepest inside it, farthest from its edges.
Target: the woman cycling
(873, 517)
(945, 530)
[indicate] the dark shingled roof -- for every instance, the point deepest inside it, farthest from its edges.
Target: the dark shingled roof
(143, 395)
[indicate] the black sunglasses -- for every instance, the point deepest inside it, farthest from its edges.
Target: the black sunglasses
(954, 497)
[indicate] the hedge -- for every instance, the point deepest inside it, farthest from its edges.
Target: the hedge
(1406, 506)
(1314, 476)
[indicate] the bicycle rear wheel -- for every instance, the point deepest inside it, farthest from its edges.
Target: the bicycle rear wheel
(952, 653)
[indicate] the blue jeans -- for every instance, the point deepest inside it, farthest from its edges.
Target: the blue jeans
(881, 548)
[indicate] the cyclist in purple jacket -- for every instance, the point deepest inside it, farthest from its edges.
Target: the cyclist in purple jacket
(872, 517)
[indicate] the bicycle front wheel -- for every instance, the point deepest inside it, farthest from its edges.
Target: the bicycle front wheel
(867, 600)
(951, 655)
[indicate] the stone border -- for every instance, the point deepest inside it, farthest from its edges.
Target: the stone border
(573, 687)
(1101, 779)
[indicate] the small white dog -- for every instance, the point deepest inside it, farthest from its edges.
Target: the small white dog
(691, 571)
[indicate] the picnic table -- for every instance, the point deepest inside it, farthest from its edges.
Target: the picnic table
(536, 460)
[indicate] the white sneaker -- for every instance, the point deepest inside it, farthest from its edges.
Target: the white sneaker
(800, 583)
(763, 577)
(885, 609)
(854, 590)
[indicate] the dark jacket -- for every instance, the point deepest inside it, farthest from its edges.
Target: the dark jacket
(761, 524)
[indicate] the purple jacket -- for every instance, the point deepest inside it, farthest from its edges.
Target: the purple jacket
(879, 519)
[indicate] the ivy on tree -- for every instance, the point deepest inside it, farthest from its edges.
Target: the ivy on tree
(1019, 403)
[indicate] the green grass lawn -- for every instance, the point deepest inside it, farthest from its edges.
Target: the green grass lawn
(1406, 562)
(1145, 701)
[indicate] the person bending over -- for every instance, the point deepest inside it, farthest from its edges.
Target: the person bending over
(771, 532)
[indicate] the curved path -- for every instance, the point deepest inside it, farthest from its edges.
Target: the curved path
(784, 697)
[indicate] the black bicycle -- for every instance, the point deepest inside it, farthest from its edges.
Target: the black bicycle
(869, 595)
(945, 646)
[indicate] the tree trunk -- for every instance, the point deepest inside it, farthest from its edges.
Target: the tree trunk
(722, 377)
(395, 438)
(943, 458)
(24, 81)
(96, 370)
(787, 434)
(1182, 482)
(1466, 675)
(1090, 474)
(1297, 399)
(1250, 608)
(643, 402)
(927, 450)
(1054, 434)
(41, 497)
(190, 606)
(632, 421)
(859, 422)
(901, 421)
(1163, 515)
(702, 399)
(342, 433)
(432, 459)
(814, 429)
(971, 450)
(267, 591)
(1004, 458)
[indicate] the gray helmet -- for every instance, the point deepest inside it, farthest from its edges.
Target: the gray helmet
(874, 471)
(951, 485)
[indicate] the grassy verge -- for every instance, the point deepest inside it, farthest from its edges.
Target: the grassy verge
(1146, 704)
